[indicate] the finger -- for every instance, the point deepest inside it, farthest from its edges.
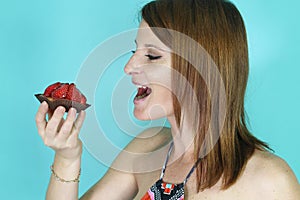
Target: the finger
(78, 122)
(50, 113)
(67, 126)
(40, 118)
(60, 124)
(73, 139)
(55, 121)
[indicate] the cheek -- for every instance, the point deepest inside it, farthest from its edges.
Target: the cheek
(160, 105)
(162, 100)
(158, 75)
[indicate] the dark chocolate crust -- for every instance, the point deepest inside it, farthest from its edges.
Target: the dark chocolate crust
(54, 103)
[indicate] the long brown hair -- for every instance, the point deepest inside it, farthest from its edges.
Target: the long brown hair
(219, 28)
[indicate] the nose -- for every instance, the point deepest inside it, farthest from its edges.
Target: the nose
(132, 66)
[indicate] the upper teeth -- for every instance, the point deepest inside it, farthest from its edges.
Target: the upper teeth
(141, 86)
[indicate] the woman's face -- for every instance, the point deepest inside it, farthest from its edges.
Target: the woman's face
(150, 70)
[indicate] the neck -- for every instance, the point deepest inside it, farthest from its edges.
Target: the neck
(183, 139)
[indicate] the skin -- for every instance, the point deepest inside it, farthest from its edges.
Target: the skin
(265, 176)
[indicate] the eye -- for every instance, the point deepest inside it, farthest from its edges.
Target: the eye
(133, 52)
(151, 57)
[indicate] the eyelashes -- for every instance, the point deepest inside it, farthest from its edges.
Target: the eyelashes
(149, 56)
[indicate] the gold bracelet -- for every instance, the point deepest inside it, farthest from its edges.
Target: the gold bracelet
(76, 180)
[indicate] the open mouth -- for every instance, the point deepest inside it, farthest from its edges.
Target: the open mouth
(143, 92)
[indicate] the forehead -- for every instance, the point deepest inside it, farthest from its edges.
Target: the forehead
(145, 37)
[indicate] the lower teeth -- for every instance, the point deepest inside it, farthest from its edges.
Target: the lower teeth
(141, 96)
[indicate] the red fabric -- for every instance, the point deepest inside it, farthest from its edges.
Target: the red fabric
(146, 197)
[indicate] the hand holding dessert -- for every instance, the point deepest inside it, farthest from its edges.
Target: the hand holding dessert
(58, 133)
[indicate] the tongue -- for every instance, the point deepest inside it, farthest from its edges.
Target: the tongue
(141, 91)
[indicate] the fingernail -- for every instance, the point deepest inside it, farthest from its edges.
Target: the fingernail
(61, 108)
(72, 110)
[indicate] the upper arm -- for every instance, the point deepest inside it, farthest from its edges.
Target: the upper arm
(119, 182)
(114, 185)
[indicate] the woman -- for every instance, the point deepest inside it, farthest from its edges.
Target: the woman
(211, 154)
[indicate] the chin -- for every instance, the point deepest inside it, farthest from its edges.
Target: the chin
(141, 115)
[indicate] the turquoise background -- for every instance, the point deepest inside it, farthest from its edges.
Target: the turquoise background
(46, 41)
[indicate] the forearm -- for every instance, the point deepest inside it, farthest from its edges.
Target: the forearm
(58, 189)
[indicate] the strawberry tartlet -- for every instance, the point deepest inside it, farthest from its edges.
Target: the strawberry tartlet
(63, 94)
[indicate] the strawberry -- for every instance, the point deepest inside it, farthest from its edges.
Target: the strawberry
(83, 99)
(51, 88)
(73, 93)
(70, 91)
(61, 92)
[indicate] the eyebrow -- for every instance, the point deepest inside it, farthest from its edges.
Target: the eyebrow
(152, 46)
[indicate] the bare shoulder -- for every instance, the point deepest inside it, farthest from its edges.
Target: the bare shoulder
(271, 177)
(268, 165)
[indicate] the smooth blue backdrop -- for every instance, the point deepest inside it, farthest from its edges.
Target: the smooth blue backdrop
(46, 41)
